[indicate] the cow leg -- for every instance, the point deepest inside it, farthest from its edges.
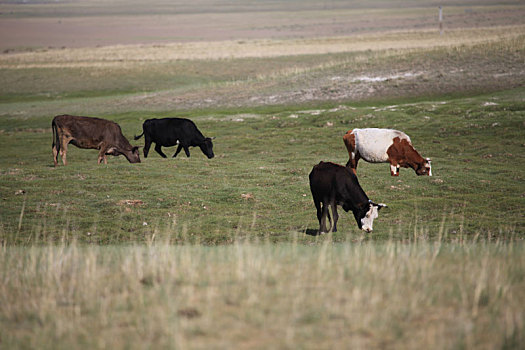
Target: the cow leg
(319, 214)
(55, 155)
(63, 149)
(394, 169)
(335, 215)
(187, 151)
(324, 215)
(353, 162)
(102, 155)
(147, 145)
(353, 155)
(56, 143)
(322, 222)
(159, 150)
(178, 150)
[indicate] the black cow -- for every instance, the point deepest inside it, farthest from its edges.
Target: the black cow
(89, 132)
(168, 132)
(333, 184)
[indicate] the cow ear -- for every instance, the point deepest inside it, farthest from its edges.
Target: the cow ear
(112, 151)
(379, 206)
(212, 138)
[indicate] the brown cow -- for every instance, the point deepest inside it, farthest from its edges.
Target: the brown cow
(384, 146)
(93, 133)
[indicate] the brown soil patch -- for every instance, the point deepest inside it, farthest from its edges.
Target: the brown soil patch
(130, 202)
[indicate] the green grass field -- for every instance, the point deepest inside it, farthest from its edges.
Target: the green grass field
(191, 253)
(257, 185)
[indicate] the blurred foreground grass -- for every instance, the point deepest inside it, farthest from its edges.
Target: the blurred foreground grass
(414, 295)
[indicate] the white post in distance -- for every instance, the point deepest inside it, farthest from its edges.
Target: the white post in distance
(440, 20)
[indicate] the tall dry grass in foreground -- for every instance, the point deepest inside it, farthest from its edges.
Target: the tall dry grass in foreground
(415, 295)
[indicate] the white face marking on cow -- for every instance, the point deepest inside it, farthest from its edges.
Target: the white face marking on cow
(367, 222)
(429, 167)
(392, 169)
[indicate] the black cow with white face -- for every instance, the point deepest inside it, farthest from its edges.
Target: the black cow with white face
(167, 132)
(332, 185)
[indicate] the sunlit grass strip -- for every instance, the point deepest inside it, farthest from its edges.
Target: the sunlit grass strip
(408, 295)
(126, 55)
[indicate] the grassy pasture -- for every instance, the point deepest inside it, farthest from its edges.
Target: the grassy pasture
(197, 253)
(257, 185)
(274, 118)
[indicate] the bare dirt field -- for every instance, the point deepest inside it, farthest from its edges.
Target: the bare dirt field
(92, 23)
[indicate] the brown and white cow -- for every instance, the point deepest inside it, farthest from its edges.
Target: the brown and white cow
(93, 133)
(384, 146)
(332, 185)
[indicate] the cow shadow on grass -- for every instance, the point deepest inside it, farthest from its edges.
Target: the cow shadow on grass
(311, 232)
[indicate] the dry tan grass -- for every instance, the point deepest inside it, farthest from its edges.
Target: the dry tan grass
(393, 295)
(123, 55)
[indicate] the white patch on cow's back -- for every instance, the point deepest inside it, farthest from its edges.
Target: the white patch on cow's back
(372, 143)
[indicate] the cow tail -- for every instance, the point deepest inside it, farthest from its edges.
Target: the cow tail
(56, 142)
(138, 137)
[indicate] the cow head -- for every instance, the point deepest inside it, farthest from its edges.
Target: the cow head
(207, 147)
(365, 217)
(424, 168)
(132, 155)
(135, 156)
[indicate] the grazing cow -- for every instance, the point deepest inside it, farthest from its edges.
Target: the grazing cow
(172, 131)
(384, 146)
(94, 133)
(333, 184)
